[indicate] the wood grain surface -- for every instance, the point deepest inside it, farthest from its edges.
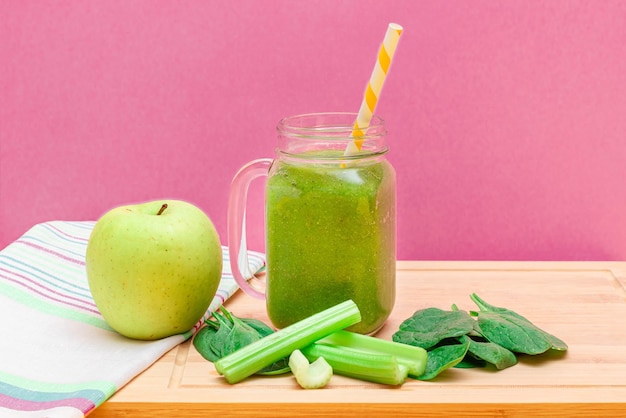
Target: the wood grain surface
(583, 303)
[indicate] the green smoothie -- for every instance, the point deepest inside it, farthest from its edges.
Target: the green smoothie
(331, 237)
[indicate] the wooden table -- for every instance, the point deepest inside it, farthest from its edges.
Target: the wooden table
(584, 303)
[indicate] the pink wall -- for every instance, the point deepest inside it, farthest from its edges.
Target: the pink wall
(506, 118)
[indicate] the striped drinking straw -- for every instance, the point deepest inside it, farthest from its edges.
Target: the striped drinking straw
(374, 86)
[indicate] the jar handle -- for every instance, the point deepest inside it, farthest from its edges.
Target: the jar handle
(237, 247)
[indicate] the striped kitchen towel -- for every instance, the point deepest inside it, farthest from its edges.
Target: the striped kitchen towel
(58, 357)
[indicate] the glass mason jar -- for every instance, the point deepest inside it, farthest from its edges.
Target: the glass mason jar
(329, 220)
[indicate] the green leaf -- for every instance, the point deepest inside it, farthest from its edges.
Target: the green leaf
(444, 357)
(218, 343)
(513, 334)
(261, 327)
(557, 343)
(224, 320)
(228, 333)
(492, 353)
(240, 335)
(427, 327)
(278, 367)
(202, 343)
(512, 331)
(470, 362)
(219, 340)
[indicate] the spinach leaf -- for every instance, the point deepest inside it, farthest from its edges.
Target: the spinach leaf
(279, 367)
(219, 340)
(427, 327)
(512, 334)
(239, 336)
(228, 333)
(512, 331)
(557, 343)
(470, 362)
(457, 339)
(444, 357)
(202, 343)
(261, 327)
(492, 353)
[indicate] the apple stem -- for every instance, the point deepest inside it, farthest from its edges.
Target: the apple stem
(163, 207)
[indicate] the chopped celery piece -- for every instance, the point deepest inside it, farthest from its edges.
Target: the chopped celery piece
(413, 358)
(379, 368)
(310, 376)
(253, 357)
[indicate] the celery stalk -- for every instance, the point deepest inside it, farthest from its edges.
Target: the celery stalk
(379, 368)
(413, 358)
(310, 376)
(253, 357)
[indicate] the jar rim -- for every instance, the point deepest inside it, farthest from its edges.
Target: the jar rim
(328, 135)
(330, 126)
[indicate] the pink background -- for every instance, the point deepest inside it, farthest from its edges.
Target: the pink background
(507, 118)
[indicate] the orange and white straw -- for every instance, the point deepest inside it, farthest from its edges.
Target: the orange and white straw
(374, 86)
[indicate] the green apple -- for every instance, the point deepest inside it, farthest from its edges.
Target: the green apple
(153, 268)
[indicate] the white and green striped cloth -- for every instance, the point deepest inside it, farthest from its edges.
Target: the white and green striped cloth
(58, 357)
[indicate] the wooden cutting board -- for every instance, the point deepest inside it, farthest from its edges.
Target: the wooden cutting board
(583, 303)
